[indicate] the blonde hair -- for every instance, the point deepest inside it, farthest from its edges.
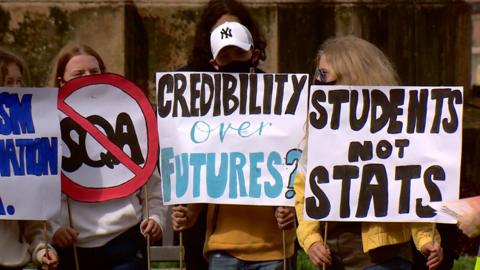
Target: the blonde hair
(356, 61)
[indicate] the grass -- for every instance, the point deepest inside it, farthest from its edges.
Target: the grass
(462, 263)
(303, 263)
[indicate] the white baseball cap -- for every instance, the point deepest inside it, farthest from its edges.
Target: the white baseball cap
(230, 34)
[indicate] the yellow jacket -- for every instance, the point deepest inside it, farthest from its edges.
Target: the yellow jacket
(246, 232)
(374, 234)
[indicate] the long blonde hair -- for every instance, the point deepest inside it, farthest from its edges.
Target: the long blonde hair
(356, 61)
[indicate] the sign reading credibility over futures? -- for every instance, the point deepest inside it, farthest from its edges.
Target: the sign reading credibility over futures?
(29, 153)
(109, 135)
(230, 138)
(383, 153)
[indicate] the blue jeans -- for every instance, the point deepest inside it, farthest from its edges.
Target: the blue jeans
(393, 264)
(219, 260)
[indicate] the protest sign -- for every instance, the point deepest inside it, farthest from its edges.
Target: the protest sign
(29, 153)
(458, 208)
(230, 138)
(110, 138)
(382, 153)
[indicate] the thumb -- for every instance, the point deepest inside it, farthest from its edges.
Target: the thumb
(144, 223)
(427, 248)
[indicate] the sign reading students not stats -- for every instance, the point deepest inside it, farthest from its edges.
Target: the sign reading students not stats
(383, 153)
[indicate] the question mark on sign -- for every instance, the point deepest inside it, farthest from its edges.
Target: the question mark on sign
(293, 156)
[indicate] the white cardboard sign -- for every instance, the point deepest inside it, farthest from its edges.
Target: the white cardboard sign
(30, 154)
(230, 138)
(382, 153)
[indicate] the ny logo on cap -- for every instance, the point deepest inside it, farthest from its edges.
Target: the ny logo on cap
(226, 32)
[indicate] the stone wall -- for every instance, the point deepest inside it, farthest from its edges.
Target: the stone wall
(429, 41)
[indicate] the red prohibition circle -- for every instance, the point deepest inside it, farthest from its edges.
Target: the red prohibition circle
(141, 174)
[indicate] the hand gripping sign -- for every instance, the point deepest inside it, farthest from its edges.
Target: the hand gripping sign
(110, 138)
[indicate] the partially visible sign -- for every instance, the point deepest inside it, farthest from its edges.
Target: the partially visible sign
(29, 153)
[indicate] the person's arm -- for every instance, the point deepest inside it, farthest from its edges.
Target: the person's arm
(185, 216)
(308, 231)
(43, 254)
(62, 234)
(155, 223)
(470, 224)
(422, 234)
(285, 216)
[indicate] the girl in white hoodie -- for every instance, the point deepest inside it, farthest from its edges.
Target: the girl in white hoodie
(109, 234)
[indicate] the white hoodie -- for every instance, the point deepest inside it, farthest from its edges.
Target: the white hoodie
(21, 241)
(97, 223)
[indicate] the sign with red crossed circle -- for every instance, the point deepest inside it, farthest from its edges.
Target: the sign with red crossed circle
(110, 138)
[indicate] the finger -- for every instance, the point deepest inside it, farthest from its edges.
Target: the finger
(315, 260)
(433, 259)
(284, 216)
(289, 219)
(322, 254)
(180, 221)
(73, 238)
(143, 225)
(148, 228)
(72, 233)
(71, 230)
(180, 213)
(178, 208)
(433, 264)
(59, 242)
(158, 235)
(285, 224)
(65, 238)
(178, 227)
(155, 230)
(326, 258)
(153, 234)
